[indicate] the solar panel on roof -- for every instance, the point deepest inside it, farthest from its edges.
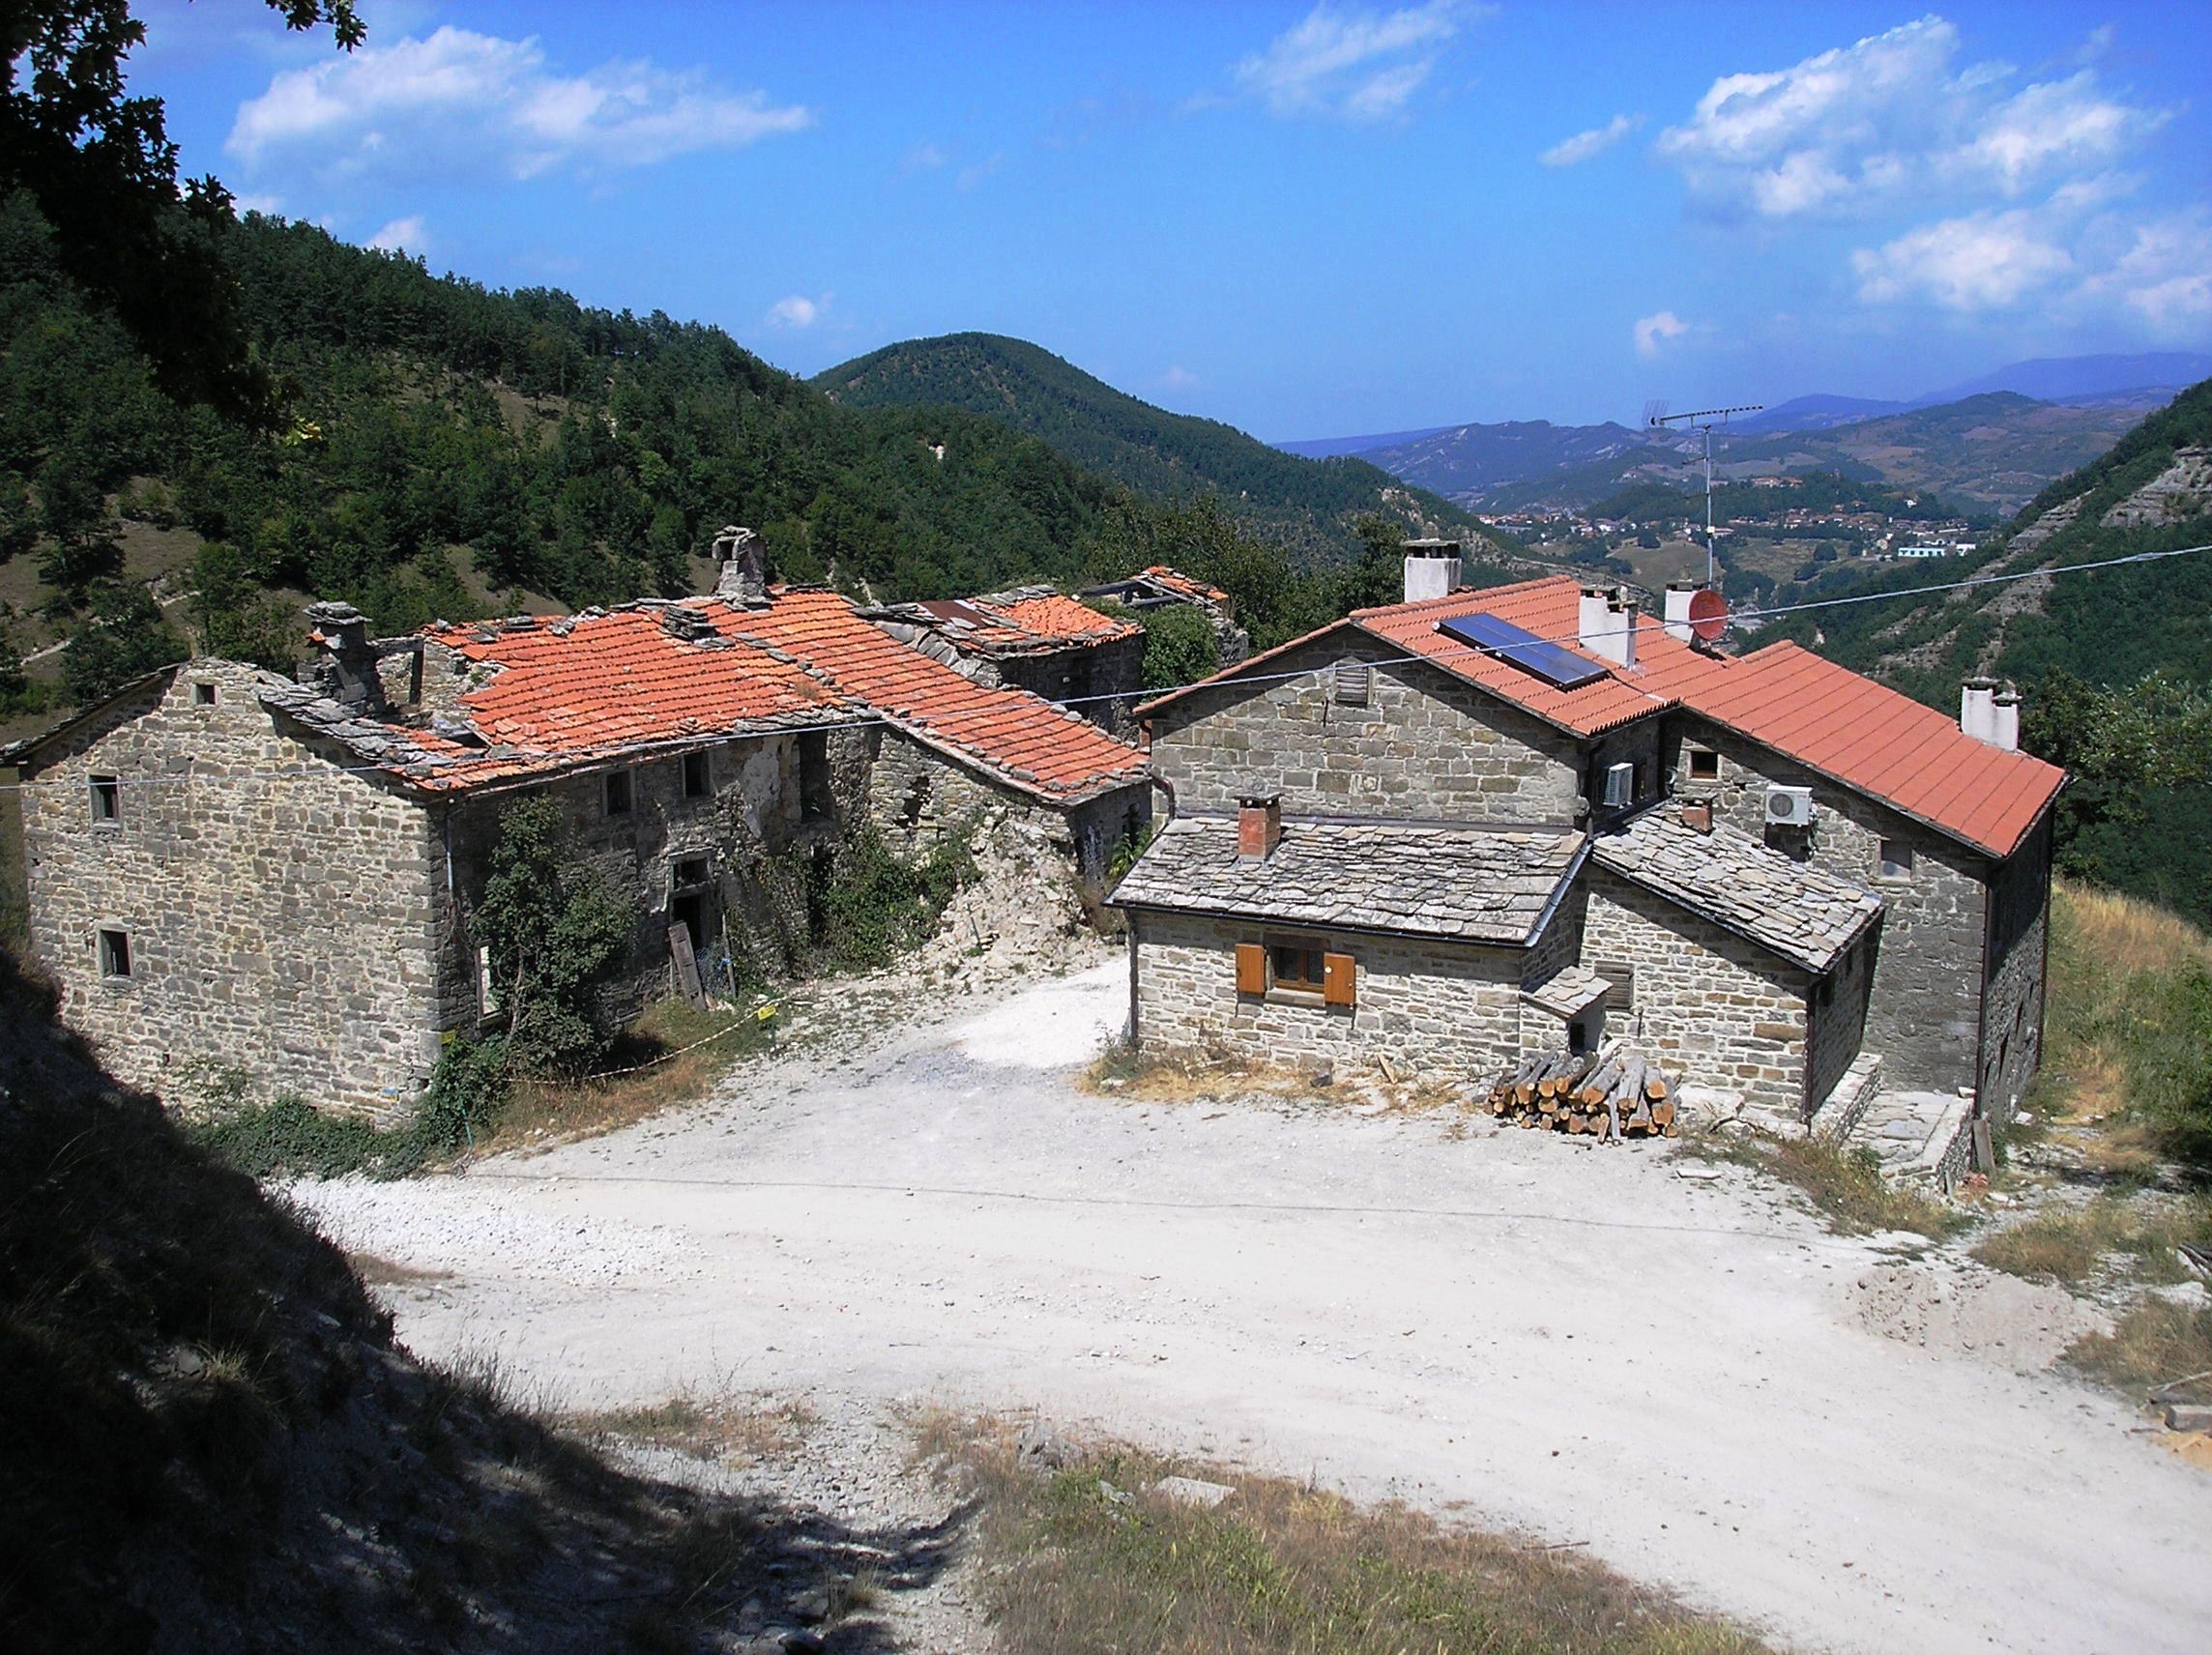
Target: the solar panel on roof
(1562, 668)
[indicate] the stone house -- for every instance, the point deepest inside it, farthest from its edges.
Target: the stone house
(230, 866)
(1159, 587)
(1030, 638)
(1781, 880)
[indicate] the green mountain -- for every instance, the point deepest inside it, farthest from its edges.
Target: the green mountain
(1308, 505)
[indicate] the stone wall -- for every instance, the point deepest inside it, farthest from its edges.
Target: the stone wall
(1441, 1007)
(1925, 998)
(1839, 1015)
(1710, 1007)
(285, 917)
(2012, 1001)
(1100, 680)
(1425, 744)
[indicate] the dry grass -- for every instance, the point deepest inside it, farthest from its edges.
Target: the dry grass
(744, 1430)
(2156, 1343)
(2113, 1235)
(1086, 1559)
(541, 1112)
(1845, 1185)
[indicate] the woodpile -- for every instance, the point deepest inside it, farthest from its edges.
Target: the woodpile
(1607, 1094)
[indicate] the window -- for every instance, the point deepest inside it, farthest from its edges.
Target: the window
(115, 953)
(689, 874)
(1350, 679)
(1704, 765)
(618, 793)
(1295, 966)
(698, 775)
(1896, 859)
(816, 804)
(107, 799)
(203, 695)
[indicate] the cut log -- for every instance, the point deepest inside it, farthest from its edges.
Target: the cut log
(1662, 1115)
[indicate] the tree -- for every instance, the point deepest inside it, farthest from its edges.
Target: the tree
(1179, 647)
(103, 172)
(125, 638)
(555, 933)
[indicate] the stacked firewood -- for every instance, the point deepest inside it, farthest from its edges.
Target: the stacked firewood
(1608, 1094)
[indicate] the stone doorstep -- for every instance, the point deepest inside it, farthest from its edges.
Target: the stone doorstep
(1916, 1135)
(1847, 1105)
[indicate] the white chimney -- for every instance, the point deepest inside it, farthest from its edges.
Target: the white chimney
(1432, 569)
(2004, 719)
(1679, 595)
(1606, 624)
(1977, 709)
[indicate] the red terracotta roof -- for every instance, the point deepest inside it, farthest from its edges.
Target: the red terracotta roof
(1825, 716)
(1006, 625)
(1182, 585)
(1010, 733)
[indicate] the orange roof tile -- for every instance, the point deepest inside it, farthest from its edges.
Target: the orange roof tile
(1182, 585)
(1009, 624)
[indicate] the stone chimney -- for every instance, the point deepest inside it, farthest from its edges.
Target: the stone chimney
(1259, 827)
(1432, 569)
(2004, 719)
(1678, 619)
(343, 666)
(1606, 624)
(743, 580)
(1977, 709)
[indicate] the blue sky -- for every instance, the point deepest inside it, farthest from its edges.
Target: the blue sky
(1308, 222)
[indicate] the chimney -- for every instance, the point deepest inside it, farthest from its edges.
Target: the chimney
(743, 580)
(1606, 624)
(343, 666)
(1698, 815)
(1977, 709)
(1679, 595)
(2004, 719)
(1432, 569)
(1259, 827)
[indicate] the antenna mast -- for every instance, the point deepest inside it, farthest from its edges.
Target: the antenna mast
(1703, 419)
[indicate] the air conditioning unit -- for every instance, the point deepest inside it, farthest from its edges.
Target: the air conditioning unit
(1620, 785)
(1790, 807)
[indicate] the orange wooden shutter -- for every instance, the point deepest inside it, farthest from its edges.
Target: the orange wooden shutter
(1251, 969)
(1336, 980)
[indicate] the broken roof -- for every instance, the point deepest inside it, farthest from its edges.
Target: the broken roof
(1469, 884)
(1805, 914)
(1862, 734)
(1028, 621)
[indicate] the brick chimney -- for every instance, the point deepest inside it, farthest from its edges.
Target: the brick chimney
(743, 580)
(1432, 569)
(1259, 827)
(1977, 710)
(1606, 624)
(1678, 616)
(343, 666)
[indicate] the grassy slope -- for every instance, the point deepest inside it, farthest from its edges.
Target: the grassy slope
(1107, 431)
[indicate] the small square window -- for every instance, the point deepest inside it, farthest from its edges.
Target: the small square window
(618, 793)
(203, 695)
(689, 874)
(1294, 965)
(1896, 859)
(1704, 764)
(115, 953)
(698, 780)
(107, 799)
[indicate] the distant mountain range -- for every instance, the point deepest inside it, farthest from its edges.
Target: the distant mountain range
(1307, 504)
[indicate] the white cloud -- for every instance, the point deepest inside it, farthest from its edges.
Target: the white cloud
(1983, 261)
(1178, 378)
(976, 173)
(1847, 130)
(2163, 277)
(797, 311)
(923, 158)
(460, 97)
(1655, 330)
(1594, 142)
(1357, 66)
(409, 235)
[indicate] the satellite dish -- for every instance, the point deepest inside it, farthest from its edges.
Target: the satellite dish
(1708, 615)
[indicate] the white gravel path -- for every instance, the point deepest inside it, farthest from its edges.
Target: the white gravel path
(1853, 1449)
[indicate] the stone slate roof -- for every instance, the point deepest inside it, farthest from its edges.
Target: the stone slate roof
(1804, 914)
(1473, 884)
(1568, 993)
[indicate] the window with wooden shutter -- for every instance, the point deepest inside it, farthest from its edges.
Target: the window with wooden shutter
(1338, 979)
(1251, 969)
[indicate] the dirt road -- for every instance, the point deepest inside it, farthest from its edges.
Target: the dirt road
(1853, 1450)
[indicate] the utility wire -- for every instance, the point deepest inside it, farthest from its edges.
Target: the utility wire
(1762, 616)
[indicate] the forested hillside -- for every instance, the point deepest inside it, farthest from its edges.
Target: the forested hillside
(1307, 505)
(2116, 664)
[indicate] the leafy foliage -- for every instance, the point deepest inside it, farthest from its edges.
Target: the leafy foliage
(126, 636)
(555, 933)
(866, 907)
(1179, 647)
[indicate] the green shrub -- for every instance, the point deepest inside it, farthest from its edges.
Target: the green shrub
(866, 907)
(555, 933)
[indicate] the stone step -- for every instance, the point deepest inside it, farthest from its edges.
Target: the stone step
(1918, 1136)
(1845, 1106)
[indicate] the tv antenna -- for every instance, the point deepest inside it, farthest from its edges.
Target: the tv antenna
(1701, 419)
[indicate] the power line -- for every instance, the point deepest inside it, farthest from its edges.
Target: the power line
(671, 744)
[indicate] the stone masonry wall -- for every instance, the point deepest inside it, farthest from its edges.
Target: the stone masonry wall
(285, 924)
(2012, 1016)
(1839, 1015)
(1925, 999)
(1425, 744)
(1436, 1006)
(1100, 681)
(1712, 1008)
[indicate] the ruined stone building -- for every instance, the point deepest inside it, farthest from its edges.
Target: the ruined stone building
(1031, 638)
(1476, 823)
(228, 865)
(1160, 587)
